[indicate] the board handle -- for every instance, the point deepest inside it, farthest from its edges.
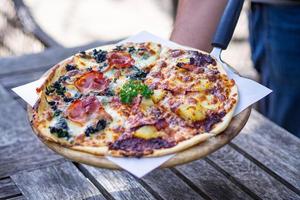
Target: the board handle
(227, 23)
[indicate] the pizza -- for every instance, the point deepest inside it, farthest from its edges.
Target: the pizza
(134, 99)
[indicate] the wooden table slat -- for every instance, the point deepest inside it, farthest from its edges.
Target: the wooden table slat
(169, 186)
(211, 181)
(250, 175)
(120, 184)
(272, 146)
(4, 96)
(31, 62)
(61, 181)
(8, 188)
(19, 147)
(20, 79)
(21, 197)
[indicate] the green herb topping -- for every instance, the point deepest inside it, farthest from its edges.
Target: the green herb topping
(132, 88)
(60, 129)
(100, 126)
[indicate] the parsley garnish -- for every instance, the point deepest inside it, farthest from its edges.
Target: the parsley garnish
(132, 88)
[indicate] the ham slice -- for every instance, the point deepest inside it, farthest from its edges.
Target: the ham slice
(120, 60)
(92, 81)
(81, 111)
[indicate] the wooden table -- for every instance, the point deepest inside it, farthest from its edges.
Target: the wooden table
(262, 162)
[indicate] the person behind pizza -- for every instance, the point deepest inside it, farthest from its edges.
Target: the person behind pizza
(274, 39)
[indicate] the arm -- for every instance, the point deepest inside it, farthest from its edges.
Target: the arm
(196, 22)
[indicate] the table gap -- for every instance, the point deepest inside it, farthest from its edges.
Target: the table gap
(148, 188)
(190, 183)
(13, 196)
(266, 169)
(232, 179)
(89, 176)
(8, 188)
(4, 177)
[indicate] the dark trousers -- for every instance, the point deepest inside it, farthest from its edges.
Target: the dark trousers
(275, 46)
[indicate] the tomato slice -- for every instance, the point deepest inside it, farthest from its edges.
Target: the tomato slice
(81, 109)
(120, 60)
(92, 81)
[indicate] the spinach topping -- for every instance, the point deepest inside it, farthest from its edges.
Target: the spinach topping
(77, 96)
(131, 49)
(51, 103)
(67, 99)
(57, 113)
(82, 52)
(109, 92)
(70, 67)
(119, 48)
(57, 87)
(99, 56)
(60, 129)
(131, 89)
(100, 126)
(53, 106)
(138, 74)
(49, 90)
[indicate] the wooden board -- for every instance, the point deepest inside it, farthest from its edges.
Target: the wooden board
(61, 181)
(194, 153)
(188, 155)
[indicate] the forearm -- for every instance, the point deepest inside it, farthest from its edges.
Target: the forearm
(196, 22)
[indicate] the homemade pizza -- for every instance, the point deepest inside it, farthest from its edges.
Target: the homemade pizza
(134, 99)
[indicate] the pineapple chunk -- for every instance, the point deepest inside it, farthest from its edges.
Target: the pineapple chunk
(191, 112)
(158, 95)
(146, 132)
(146, 104)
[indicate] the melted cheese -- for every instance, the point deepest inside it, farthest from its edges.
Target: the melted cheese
(83, 63)
(209, 104)
(141, 62)
(118, 120)
(117, 85)
(76, 129)
(110, 74)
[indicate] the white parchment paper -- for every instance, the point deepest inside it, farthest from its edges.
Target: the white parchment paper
(249, 93)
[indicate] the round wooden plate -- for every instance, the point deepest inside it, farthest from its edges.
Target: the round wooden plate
(196, 152)
(193, 153)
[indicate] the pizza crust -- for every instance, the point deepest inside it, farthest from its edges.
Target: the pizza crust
(104, 151)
